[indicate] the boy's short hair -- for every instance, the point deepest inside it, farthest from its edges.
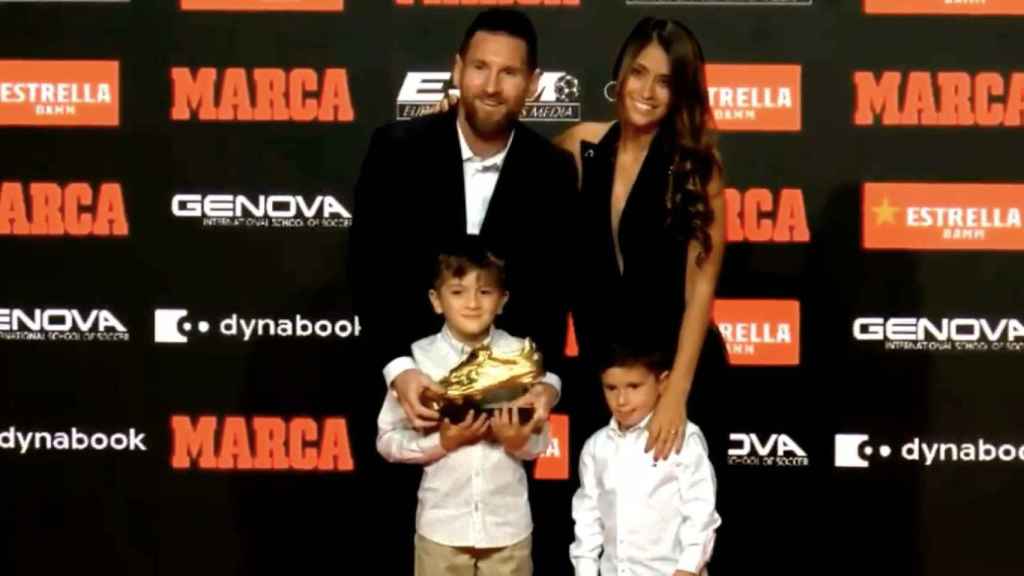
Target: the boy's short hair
(465, 255)
(623, 355)
(504, 21)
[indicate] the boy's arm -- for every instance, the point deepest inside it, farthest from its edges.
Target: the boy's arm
(398, 441)
(585, 551)
(696, 482)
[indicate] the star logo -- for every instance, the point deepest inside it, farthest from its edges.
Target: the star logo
(885, 212)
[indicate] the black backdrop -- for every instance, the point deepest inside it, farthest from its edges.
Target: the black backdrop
(130, 512)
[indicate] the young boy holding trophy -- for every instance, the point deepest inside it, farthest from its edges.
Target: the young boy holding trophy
(473, 515)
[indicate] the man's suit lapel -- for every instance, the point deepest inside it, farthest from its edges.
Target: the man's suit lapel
(501, 207)
(450, 187)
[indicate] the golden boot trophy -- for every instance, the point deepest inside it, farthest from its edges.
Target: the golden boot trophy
(487, 379)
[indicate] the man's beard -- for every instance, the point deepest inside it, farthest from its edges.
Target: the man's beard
(490, 128)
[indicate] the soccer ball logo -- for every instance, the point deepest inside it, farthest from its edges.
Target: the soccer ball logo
(567, 89)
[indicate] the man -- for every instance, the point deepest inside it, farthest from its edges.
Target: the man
(474, 170)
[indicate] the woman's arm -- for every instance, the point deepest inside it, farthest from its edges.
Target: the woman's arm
(669, 420)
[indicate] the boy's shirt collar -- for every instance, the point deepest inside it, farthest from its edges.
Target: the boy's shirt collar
(615, 430)
(461, 348)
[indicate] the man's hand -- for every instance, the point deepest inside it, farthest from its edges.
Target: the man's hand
(467, 432)
(409, 386)
(683, 573)
(541, 397)
(512, 434)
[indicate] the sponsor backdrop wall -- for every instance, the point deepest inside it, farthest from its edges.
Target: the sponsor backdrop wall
(182, 392)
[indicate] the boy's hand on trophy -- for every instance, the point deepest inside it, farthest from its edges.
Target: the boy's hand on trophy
(410, 386)
(508, 430)
(469, 431)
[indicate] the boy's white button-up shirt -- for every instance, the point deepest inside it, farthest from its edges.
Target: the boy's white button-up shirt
(475, 496)
(649, 519)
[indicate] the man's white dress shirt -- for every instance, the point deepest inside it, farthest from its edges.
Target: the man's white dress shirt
(649, 518)
(475, 496)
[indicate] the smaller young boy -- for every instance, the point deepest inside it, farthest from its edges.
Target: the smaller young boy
(473, 516)
(650, 518)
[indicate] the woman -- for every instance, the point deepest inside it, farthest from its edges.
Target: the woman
(652, 225)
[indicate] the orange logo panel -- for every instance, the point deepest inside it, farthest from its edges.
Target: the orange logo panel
(59, 93)
(265, 5)
(554, 464)
(759, 332)
(755, 97)
(997, 7)
(942, 216)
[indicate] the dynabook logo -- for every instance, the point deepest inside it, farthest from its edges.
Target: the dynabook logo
(175, 326)
(261, 95)
(61, 325)
(778, 450)
(950, 98)
(857, 451)
(264, 5)
(260, 443)
(759, 216)
(974, 7)
(557, 98)
(280, 210)
(70, 210)
(478, 3)
(942, 216)
(73, 439)
(943, 335)
(554, 463)
(59, 93)
(755, 97)
(759, 332)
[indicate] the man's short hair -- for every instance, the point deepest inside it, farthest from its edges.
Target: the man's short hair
(464, 255)
(504, 21)
(631, 355)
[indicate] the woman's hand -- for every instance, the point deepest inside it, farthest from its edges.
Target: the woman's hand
(667, 426)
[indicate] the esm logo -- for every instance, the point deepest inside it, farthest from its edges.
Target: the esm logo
(557, 98)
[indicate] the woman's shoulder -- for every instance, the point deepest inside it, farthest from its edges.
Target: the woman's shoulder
(584, 131)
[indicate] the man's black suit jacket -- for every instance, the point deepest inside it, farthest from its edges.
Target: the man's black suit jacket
(410, 200)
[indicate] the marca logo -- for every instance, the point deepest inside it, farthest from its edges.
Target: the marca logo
(264, 5)
(755, 97)
(72, 210)
(554, 463)
(924, 334)
(61, 324)
(260, 443)
(59, 93)
(779, 450)
(759, 332)
(557, 98)
(261, 210)
(24, 442)
(855, 451)
(261, 95)
(174, 326)
(756, 216)
(994, 7)
(942, 216)
(940, 99)
(477, 3)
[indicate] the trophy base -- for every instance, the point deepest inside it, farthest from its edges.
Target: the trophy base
(456, 413)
